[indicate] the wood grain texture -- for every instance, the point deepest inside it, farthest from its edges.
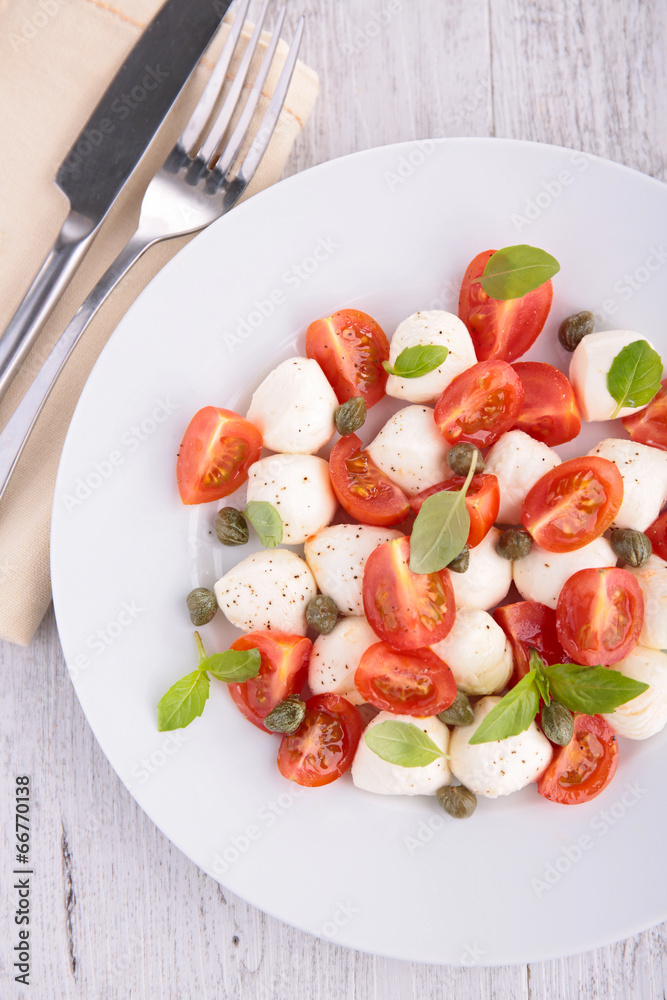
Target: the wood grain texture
(118, 911)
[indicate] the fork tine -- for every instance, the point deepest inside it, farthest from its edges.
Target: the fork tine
(215, 83)
(227, 110)
(265, 131)
(233, 146)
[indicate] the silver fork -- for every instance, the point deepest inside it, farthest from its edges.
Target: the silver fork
(192, 189)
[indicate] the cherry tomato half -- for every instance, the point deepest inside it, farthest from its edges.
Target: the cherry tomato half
(350, 347)
(582, 769)
(361, 488)
(657, 534)
(282, 672)
(405, 609)
(216, 452)
(550, 412)
(323, 746)
(573, 504)
(529, 625)
(599, 616)
(501, 328)
(482, 501)
(408, 683)
(649, 426)
(480, 404)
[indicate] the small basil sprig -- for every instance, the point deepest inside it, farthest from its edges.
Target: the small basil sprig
(635, 375)
(441, 528)
(402, 743)
(266, 521)
(512, 272)
(185, 700)
(588, 690)
(413, 362)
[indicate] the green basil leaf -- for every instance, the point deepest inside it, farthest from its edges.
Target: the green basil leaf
(512, 272)
(402, 743)
(266, 521)
(413, 362)
(512, 715)
(591, 690)
(183, 702)
(635, 375)
(538, 664)
(441, 528)
(234, 665)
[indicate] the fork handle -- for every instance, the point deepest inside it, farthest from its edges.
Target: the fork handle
(16, 432)
(50, 282)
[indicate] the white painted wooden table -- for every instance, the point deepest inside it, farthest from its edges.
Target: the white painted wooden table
(118, 911)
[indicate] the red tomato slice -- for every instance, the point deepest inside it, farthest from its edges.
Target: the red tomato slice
(501, 328)
(582, 769)
(480, 404)
(482, 501)
(411, 683)
(323, 746)
(216, 452)
(405, 609)
(361, 488)
(550, 412)
(599, 616)
(529, 625)
(649, 426)
(657, 534)
(350, 347)
(573, 504)
(282, 672)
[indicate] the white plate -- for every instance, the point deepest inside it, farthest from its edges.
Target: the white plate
(389, 231)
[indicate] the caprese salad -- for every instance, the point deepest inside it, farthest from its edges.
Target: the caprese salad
(468, 613)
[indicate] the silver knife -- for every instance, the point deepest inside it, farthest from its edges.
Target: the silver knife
(106, 153)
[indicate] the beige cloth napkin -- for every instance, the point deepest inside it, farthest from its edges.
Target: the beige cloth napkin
(56, 59)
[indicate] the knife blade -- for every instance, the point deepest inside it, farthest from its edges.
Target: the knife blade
(105, 154)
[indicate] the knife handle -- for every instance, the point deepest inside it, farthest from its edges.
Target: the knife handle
(54, 275)
(17, 430)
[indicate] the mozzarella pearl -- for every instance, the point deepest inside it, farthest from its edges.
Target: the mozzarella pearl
(644, 473)
(411, 451)
(268, 590)
(335, 658)
(294, 407)
(646, 714)
(299, 487)
(373, 774)
(541, 575)
(477, 652)
(337, 556)
(500, 767)
(652, 578)
(589, 367)
(433, 327)
(518, 461)
(487, 579)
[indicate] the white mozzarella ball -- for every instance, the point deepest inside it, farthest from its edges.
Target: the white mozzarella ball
(644, 473)
(646, 714)
(589, 367)
(337, 556)
(411, 451)
(299, 487)
(477, 652)
(541, 575)
(500, 767)
(335, 658)
(373, 774)
(433, 327)
(652, 578)
(518, 461)
(294, 406)
(268, 590)
(487, 579)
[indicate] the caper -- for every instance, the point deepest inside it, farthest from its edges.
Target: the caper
(202, 605)
(322, 613)
(633, 547)
(461, 455)
(573, 329)
(457, 800)
(459, 713)
(514, 543)
(287, 716)
(462, 561)
(350, 415)
(231, 526)
(557, 723)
